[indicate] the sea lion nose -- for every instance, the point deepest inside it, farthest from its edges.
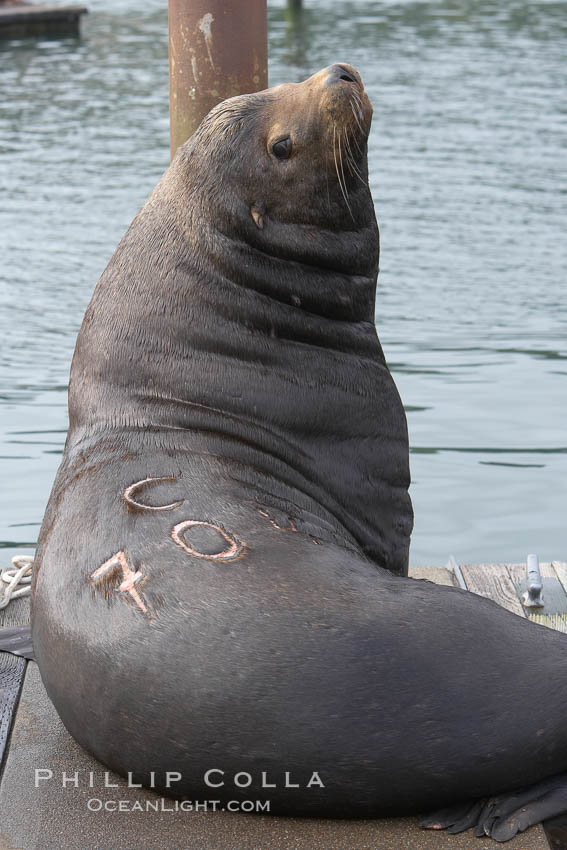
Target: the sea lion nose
(336, 73)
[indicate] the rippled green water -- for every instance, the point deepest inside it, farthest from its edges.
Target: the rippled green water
(468, 169)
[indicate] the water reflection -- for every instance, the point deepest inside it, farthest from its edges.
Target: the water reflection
(467, 164)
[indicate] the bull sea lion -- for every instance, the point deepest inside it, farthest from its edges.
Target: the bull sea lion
(220, 591)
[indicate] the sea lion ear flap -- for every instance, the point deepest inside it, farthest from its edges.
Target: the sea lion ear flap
(257, 214)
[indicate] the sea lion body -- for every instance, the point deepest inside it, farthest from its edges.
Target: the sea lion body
(219, 582)
(296, 656)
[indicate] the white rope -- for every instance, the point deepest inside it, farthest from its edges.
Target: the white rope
(19, 574)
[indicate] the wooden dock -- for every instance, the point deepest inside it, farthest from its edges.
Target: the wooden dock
(20, 21)
(50, 817)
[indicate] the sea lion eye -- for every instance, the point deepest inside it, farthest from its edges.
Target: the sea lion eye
(282, 148)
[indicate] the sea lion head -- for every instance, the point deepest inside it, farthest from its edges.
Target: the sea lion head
(293, 156)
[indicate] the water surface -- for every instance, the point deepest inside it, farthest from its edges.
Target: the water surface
(468, 168)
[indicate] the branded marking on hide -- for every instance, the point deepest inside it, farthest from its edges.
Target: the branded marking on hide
(235, 548)
(130, 578)
(290, 527)
(131, 492)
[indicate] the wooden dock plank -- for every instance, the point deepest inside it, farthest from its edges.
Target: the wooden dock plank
(560, 570)
(17, 613)
(439, 575)
(552, 621)
(494, 582)
(12, 670)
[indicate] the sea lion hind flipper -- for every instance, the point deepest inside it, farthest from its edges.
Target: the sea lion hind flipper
(538, 803)
(504, 816)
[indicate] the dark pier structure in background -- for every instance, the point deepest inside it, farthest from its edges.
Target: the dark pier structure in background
(216, 50)
(21, 20)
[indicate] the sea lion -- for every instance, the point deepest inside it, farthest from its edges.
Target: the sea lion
(216, 609)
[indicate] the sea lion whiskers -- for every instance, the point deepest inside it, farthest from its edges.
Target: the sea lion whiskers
(354, 134)
(353, 168)
(343, 188)
(343, 171)
(358, 100)
(356, 118)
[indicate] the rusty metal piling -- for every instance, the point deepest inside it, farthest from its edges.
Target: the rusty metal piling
(216, 50)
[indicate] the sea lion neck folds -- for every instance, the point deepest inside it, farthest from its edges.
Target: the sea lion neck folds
(301, 268)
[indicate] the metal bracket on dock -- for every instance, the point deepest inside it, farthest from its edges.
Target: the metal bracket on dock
(453, 565)
(533, 598)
